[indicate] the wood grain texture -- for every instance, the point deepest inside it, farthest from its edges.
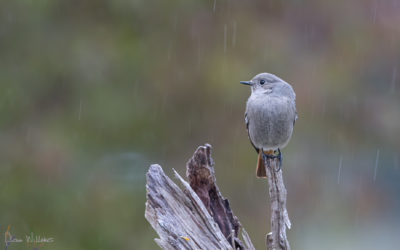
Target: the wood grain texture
(277, 238)
(197, 217)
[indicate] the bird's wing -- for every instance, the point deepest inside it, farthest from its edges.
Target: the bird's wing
(246, 120)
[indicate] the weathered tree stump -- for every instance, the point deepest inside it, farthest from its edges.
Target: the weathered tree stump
(199, 217)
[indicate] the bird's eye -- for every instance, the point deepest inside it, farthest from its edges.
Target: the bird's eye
(262, 82)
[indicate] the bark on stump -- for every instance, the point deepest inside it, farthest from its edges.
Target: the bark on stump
(199, 217)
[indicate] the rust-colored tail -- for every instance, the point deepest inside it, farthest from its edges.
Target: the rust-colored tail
(261, 172)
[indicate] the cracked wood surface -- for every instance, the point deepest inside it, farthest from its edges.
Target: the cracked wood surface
(197, 217)
(277, 238)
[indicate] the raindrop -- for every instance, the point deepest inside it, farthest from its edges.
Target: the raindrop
(340, 169)
(374, 13)
(396, 162)
(393, 83)
(169, 51)
(80, 110)
(28, 135)
(215, 4)
(225, 38)
(376, 164)
(175, 23)
(323, 110)
(189, 124)
(198, 54)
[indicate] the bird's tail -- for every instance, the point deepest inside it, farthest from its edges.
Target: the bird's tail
(261, 172)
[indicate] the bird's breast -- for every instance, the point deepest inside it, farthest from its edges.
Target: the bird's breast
(270, 120)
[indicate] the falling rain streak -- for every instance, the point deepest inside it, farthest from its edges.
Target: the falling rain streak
(340, 169)
(234, 34)
(225, 38)
(80, 110)
(396, 162)
(393, 83)
(374, 13)
(169, 51)
(376, 164)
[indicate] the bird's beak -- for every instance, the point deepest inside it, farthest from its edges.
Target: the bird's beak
(246, 82)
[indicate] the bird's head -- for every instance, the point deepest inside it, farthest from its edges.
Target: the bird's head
(263, 82)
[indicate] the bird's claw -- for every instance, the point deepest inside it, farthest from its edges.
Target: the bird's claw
(274, 156)
(280, 160)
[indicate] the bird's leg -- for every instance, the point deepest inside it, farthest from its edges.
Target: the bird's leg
(268, 155)
(279, 156)
(265, 158)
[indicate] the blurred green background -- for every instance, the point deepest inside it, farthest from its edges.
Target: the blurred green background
(93, 92)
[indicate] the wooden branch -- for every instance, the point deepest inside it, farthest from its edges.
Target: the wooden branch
(196, 218)
(277, 239)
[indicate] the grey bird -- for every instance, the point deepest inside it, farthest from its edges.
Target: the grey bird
(270, 117)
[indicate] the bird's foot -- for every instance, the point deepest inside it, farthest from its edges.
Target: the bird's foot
(279, 156)
(268, 155)
(276, 155)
